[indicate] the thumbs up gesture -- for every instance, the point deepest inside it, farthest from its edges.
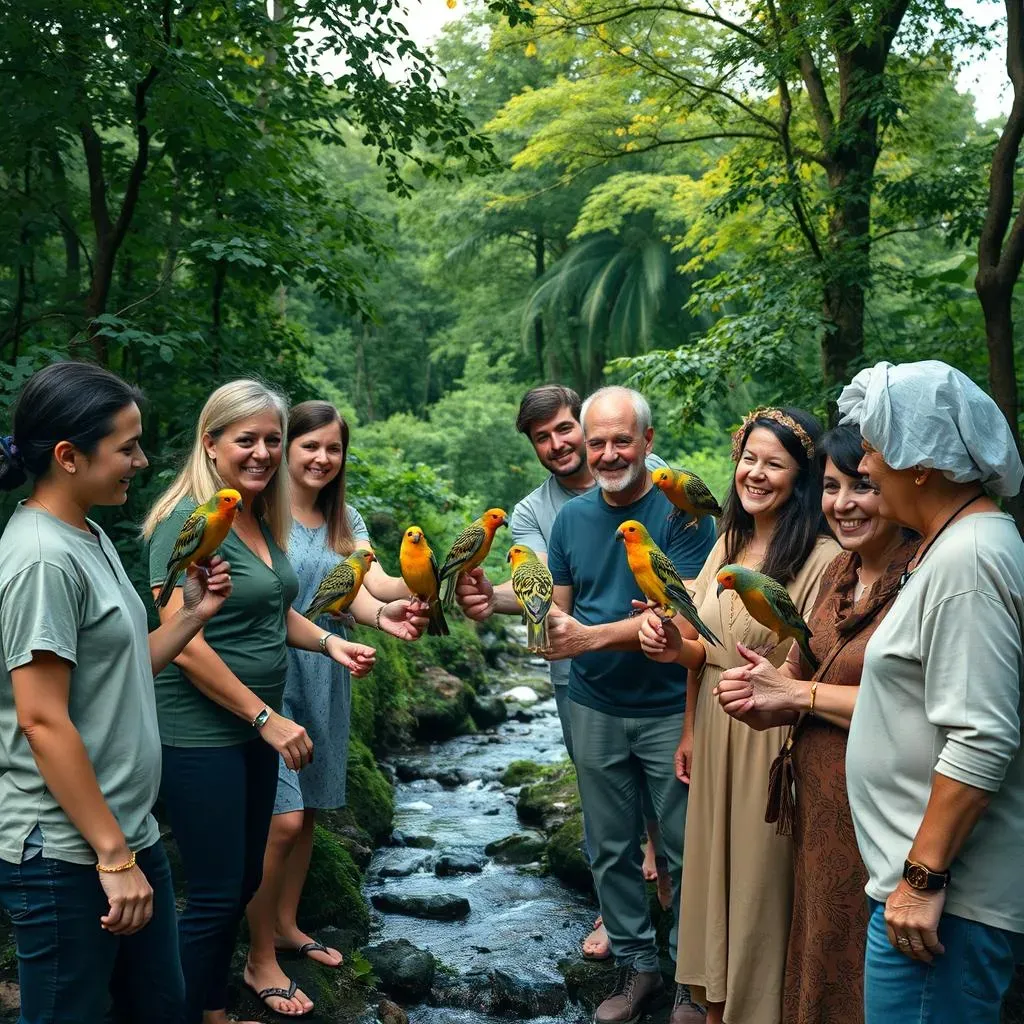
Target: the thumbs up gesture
(756, 685)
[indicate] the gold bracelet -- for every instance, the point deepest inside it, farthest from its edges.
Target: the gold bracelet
(126, 866)
(814, 693)
(380, 608)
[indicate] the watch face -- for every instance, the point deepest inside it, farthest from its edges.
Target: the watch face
(917, 876)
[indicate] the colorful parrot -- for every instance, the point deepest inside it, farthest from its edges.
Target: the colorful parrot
(469, 550)
(659, 579)
(201, 534)
(340, 585)
(533, 587)
(688, 493)
(769, 603)
(419, 570)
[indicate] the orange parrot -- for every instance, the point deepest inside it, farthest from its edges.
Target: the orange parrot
(201, 534)
(469, 550)
(419, 570)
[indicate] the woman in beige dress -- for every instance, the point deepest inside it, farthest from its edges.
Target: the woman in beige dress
(737, 890)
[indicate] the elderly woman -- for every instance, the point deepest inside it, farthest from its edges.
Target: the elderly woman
(824, 981)
(934, 763)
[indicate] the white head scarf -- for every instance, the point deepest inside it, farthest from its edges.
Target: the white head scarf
(931, 415)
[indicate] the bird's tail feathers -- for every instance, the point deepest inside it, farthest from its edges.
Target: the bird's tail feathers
(537, 634)
(448, 590)
(804, 640)
(168, 588)
(437, 625)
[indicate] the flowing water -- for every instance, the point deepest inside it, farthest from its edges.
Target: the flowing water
(521, 923)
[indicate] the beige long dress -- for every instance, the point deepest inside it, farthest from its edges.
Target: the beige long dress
(737, 890)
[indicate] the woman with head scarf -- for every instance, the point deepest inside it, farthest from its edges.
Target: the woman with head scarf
(934, 764)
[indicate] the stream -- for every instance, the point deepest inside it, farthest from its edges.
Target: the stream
(521, 922)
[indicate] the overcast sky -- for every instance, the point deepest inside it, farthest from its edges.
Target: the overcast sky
(985, 76)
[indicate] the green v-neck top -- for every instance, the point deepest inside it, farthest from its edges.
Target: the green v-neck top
(248, 633)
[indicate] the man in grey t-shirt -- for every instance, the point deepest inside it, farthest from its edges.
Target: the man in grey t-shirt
(549, 417)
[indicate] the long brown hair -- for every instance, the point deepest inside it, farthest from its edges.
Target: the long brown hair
(304, 418)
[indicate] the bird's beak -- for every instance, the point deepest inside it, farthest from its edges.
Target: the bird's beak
(508, 557)
(619, 535)
(721, 587)
(415, 538)
(504, 520)
(239, 506)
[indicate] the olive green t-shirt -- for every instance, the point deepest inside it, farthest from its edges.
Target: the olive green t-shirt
(248, 633)
(63, 590)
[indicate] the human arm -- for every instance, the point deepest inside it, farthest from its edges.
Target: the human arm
(205, 591)
(669, 642)
(568, 637)
(405, 618)
(305, 635)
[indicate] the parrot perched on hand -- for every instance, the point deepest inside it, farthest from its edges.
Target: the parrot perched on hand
(419, 570)
(469, 550)
(769, 603)
(688, 493)
(659, 579)
(534, 588)
(201, 534)
(340, 585)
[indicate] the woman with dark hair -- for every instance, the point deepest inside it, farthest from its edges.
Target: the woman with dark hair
(737, 885)
(83, 873)
(825, 961)
(317, 693)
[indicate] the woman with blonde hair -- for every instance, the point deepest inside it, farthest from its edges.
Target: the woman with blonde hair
(218, 703)
(317, 694)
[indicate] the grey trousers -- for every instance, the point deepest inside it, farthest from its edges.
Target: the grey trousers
(615, 757)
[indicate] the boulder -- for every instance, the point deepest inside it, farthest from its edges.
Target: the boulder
(550, 803)
(525, 993)
(458, 864)
(402, 867)
(588, 981)
(565, 855)
(404, 970)
(449, 778)
(391, 1013)
(521, 695)
(521, 848)
(333, 891)
(487, 712)
(445, 907)
(440, 705)
(520, 772)
(371, 799)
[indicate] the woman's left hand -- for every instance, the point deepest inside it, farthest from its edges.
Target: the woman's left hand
(357, 658)
(207, 587)
(756, 686)
(912, 921)
(405, 618)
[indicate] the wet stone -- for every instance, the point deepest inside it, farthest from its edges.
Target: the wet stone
(404, 970)
(458, 864)
(446, 907)
(522, 848)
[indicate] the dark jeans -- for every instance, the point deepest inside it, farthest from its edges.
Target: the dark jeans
(72, 971)
(219, 801)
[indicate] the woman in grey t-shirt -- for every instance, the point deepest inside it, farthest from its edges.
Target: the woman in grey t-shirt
(935, 769)
(83, 873)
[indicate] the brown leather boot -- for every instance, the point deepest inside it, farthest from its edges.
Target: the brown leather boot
(683, 1011)
(633, 993)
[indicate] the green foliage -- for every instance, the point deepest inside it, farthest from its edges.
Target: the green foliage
(333, 891)
(370, 798)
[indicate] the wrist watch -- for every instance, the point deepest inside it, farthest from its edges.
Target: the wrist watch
(261, 719)
(917, 876)
(323, 642)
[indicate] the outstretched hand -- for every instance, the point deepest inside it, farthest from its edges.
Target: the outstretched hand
(660, 640)
(405, 618)
(207, 587)
(475, 594)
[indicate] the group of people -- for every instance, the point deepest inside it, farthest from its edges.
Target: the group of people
(849, 831)
(837, 843)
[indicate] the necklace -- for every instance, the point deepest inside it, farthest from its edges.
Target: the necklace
(920, 556)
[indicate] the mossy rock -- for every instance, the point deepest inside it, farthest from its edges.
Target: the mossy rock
(550, 803)
(520, 772)
(487, 712)
(333, 893)
(565, 856)
(371, 799)
(440, 705)
(461, 653)
(380, 713)
(588, 981)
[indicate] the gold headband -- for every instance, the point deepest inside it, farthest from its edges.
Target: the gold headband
(777, 416)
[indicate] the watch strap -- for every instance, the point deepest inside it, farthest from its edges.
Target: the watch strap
(261, 719)
(920, 876)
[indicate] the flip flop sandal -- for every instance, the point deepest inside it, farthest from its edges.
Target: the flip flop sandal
(278, 993)
(316, 947)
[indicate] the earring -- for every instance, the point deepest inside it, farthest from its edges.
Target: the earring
(920, 479)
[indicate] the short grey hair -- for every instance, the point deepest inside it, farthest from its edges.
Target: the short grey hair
(641, 408)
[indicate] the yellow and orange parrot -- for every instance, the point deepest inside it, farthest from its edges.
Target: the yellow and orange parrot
(340, 585)
(201, 534)
(534, 588)
(687, 492)
(769, 603)
(659, 579)
(419, 570)
(469, 550)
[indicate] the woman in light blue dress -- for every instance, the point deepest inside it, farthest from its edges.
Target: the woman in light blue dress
(318, 693)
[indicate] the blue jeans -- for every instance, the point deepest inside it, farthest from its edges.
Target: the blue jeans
(72, 971)
(219, 801)
(964, 985)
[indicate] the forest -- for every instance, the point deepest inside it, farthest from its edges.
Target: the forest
(723, 205)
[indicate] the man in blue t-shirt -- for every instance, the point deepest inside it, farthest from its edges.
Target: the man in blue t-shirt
(626, 711)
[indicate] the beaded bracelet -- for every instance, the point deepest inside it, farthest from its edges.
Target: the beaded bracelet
(126, 866)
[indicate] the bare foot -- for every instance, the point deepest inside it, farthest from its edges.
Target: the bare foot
(664, 884)
(650, 867)
(596, 945)
(292, 941)
(269, 975)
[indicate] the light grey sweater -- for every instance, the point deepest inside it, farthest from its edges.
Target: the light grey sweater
(941, 692)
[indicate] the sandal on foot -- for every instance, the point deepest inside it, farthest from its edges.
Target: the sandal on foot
(311, 947)
(278, 993)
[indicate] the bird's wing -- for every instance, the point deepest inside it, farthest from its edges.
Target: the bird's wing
(466, 545)
(534, 587)
(190, 537)
(665, 570)
(338, 582)
(435, 572)
(699, 493)
(782, 603)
